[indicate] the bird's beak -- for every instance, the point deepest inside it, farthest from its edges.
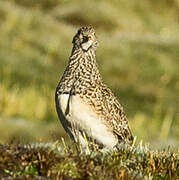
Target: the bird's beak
(87, 45)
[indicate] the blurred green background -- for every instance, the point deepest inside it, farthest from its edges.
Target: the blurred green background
(138, 57)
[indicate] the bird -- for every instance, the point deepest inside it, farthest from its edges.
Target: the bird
(88, 110)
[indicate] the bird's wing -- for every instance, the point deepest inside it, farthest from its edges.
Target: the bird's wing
(106, 105)
(115, 115)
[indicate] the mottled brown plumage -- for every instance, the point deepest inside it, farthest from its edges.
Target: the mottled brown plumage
(84, 103)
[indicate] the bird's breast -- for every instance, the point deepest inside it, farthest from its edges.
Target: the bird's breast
(83, 117)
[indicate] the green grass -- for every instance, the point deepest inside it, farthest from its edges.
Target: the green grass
(138, 58)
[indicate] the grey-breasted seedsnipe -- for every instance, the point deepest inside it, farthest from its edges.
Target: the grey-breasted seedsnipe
(87, 108)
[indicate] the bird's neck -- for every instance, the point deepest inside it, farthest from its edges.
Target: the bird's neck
(81, 72)
(83, 64)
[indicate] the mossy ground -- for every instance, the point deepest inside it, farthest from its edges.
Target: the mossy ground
(138, 58)
(38, 161)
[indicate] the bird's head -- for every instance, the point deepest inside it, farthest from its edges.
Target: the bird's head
(85, 39)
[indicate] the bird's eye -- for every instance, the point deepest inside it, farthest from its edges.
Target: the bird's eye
(85, 39)
(89, 37)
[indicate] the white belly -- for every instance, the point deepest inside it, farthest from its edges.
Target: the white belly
(83, 117)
